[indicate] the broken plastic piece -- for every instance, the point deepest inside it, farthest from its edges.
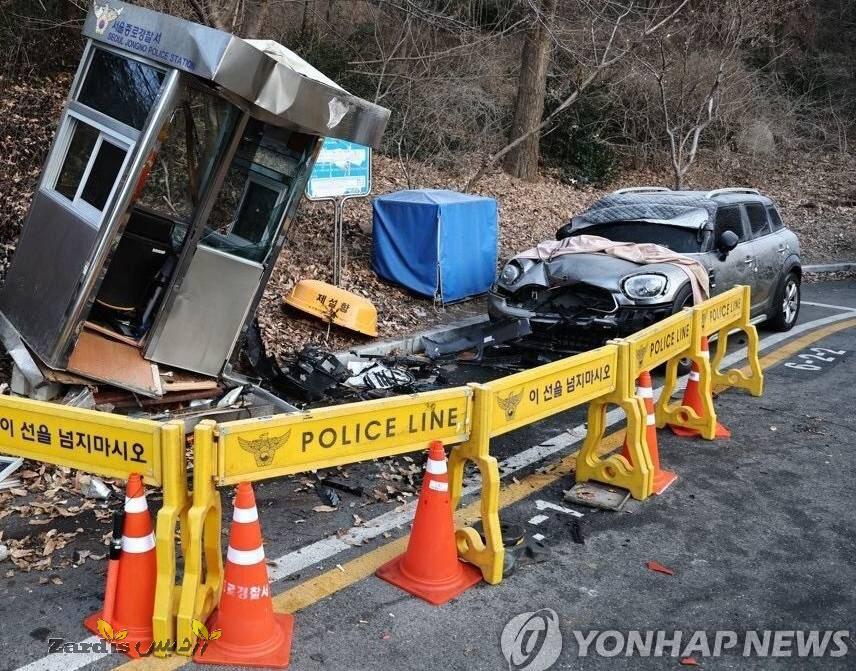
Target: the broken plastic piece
(596, 495)
(334, 305)
(577, 532)
(659, 568)
(477, 337)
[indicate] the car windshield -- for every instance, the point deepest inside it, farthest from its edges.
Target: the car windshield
(681, 240)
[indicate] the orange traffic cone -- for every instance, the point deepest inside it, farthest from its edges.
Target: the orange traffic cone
(251, 634)
(132, 605)
(692, 398)
(430, 568)
(662, 479)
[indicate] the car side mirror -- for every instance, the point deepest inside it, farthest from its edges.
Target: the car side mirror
(565, 231)
(726, 242)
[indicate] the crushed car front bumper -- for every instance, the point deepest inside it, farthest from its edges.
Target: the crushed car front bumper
(578, 328)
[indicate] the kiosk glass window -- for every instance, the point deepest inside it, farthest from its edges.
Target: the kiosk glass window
(80, 148)
(122, 88)
(255, 194)
(91, 166)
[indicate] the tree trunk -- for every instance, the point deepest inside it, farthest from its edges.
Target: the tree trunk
(522, 161)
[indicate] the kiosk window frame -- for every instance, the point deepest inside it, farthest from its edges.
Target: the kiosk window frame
(70, 124)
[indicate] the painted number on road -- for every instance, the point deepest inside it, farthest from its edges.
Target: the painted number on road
(816, 358)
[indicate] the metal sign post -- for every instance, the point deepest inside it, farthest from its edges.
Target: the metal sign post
(343, 171)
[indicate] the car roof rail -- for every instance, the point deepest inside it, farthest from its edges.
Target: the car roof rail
(732, 189)
(640, 189)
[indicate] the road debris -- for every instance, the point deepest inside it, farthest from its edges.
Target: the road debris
(577, 532)
(595, 495)
(659, 568)
(8, 466)
(546, 505)
(476, 337)
(91, 487)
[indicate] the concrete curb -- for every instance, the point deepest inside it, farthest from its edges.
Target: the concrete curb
(830, 267)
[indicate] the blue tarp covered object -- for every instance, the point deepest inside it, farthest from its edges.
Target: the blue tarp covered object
(439, 244)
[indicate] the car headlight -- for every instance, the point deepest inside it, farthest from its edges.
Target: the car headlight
(511, 273)
(644, 286)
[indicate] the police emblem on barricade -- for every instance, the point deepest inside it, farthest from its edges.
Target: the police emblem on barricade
(640, 355)
(264, 448)
(509, 403)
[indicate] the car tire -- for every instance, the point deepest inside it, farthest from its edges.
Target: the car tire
(787, 303)
(683, 299)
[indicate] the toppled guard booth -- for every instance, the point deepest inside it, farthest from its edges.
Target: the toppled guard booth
(178, 164)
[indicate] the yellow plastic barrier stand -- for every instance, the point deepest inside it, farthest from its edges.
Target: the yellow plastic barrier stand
(507, 404)
(203, 558)
(721, 314)
(92, 441)
(489, 558)
(256, 449)
(673, 412)
(614, 469)
(728, 312)
(171, 516)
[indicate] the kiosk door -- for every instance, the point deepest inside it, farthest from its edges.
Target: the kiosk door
(230, 264)
(78, 206)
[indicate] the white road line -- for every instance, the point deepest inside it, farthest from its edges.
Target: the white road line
(546, 505)
(66, 661)
(327, 548)
(829, 307)
(537, 519)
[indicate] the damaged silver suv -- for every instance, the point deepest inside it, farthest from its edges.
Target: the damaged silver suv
(577, 301)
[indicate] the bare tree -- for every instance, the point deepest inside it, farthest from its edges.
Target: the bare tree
(522, 160)
(697, 72)
(614, 34)
(235, 16)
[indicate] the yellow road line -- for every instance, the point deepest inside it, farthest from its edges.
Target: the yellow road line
(334, 580)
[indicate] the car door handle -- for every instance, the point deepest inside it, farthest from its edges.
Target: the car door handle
(783, 249)
(749, 260)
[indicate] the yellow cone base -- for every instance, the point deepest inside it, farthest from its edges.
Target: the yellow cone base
(436, 593)
(273, 654)
(138, 637)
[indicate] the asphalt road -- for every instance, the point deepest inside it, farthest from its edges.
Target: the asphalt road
(758, 531)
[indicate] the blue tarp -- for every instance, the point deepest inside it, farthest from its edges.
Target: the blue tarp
(439, 244)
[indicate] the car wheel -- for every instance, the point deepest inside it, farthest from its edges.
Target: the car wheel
(787, 304)
(683, 299)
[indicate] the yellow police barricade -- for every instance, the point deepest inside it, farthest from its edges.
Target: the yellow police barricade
(721, 314)
(509, 403)
(615, 469)
(724, 314)
(258, 449)
(115, 447)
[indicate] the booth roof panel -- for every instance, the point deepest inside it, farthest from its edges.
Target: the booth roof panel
(281, 88)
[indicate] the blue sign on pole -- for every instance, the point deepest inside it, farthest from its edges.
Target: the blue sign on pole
(342, 169)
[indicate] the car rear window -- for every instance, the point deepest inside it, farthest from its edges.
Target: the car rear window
(681, 240)
(758, 219)
(775, 219)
